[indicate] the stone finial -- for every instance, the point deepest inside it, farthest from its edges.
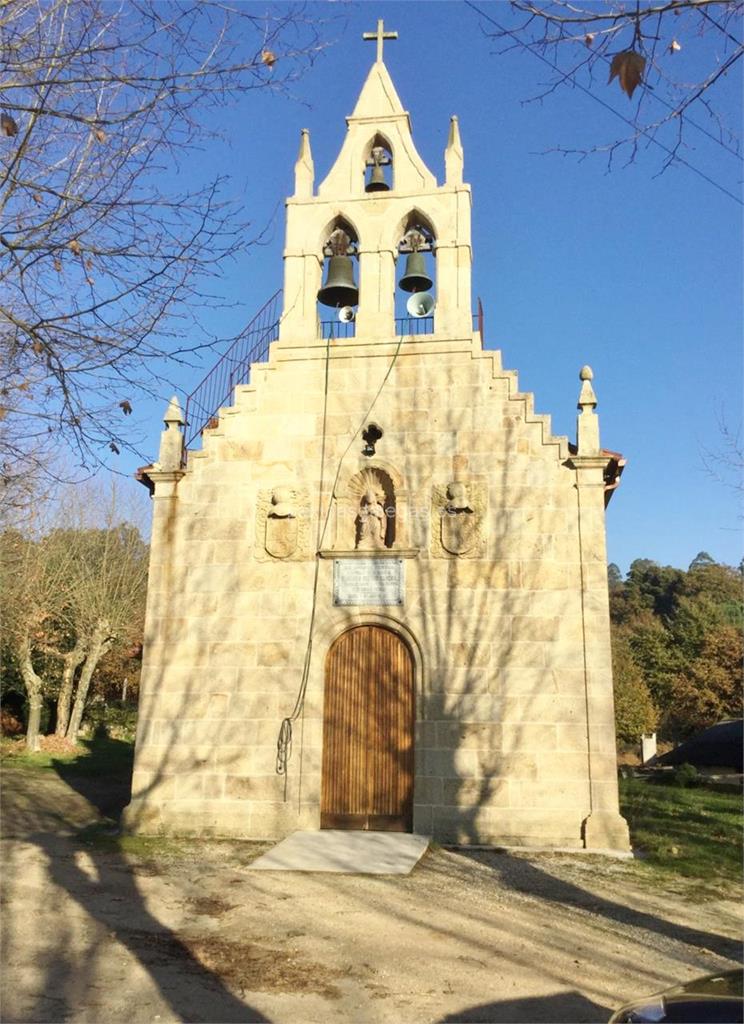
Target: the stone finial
(304, 167)
(587, 396)
(171, 440)
(454, 160)
(587, 422)
(173, 414)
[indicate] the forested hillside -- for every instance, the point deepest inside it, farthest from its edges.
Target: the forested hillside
(677, 646)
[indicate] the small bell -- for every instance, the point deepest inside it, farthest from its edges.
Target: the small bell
(415, 278)
(377, 181)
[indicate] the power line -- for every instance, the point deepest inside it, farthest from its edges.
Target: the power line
(634, 127)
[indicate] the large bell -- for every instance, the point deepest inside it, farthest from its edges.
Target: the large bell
(377, 181)
(339, 288)
(415, 278)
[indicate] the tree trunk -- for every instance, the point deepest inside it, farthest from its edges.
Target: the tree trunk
(33, 685)
(70, 662)
(100, 642)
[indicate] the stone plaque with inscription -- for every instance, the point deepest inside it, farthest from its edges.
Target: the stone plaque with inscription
(368, 581)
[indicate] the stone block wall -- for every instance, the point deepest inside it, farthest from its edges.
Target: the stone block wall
(514, 736)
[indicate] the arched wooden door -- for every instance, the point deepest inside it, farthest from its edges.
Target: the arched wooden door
(368, 723)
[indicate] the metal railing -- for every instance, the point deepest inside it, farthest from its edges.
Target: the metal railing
(233, 368)
(252, 346)
(407, 325)
(337, 329)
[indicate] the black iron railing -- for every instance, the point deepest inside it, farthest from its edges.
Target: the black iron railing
(405, 325)
(252, 346)
(414, 325)
(337, 329)
(232, 369)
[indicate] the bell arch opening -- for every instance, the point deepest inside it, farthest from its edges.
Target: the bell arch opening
(339, 248)
(378, 165)
(416, 274)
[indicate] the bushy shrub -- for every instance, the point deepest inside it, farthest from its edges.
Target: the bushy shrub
(686, 775)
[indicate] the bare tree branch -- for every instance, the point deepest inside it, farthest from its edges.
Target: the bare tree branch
(580, 41)
(102, 253)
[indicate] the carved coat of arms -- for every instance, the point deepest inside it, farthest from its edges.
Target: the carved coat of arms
(458, 513)
(282, 523)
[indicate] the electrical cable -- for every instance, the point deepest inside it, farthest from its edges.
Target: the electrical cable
(284, 740)
(607, 106)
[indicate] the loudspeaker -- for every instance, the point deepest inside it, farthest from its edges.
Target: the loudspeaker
(346, 314)
(420, 304)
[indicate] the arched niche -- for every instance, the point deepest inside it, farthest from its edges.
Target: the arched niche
(378, 164)
(371, 506)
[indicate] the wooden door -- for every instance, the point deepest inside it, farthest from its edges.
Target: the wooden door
(368, 721)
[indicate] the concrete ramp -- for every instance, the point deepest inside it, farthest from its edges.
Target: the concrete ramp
(350, 853)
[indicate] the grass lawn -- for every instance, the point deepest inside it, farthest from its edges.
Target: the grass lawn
(695, 832)
(99, 756)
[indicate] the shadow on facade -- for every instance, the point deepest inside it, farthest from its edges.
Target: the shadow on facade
(469, 757)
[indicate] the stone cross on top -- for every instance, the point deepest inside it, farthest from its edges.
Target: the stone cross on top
(380, 35)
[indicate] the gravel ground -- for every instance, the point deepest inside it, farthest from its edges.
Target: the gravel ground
(182, 931)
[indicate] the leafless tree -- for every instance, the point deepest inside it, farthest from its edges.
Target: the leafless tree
(657, 48)
(105, 255)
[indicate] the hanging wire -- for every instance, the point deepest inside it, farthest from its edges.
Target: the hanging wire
(284, 739)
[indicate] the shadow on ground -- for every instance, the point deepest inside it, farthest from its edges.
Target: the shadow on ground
(102, 773)
(521, 875)
(101, 883)
(562, 1008)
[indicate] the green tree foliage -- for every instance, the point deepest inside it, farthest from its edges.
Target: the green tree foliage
(679, 634)
(635, 711)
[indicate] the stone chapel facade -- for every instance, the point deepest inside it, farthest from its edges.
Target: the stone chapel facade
(382, 542)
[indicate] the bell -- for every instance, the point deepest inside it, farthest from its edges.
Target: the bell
(377, 181)
(339, 288)
(415, 278)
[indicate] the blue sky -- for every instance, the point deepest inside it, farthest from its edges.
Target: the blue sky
(635, 272)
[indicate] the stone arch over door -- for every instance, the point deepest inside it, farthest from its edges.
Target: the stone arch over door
(368, 731)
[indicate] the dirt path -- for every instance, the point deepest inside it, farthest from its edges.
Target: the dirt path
(183, 932)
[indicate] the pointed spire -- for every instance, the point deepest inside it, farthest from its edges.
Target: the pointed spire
(171, 440)
(304, 168)
(587, 422)
(454, 160)
(173, 414)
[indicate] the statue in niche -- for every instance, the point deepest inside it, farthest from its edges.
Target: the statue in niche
(281, 523)
(459, 522)
(371, 522)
